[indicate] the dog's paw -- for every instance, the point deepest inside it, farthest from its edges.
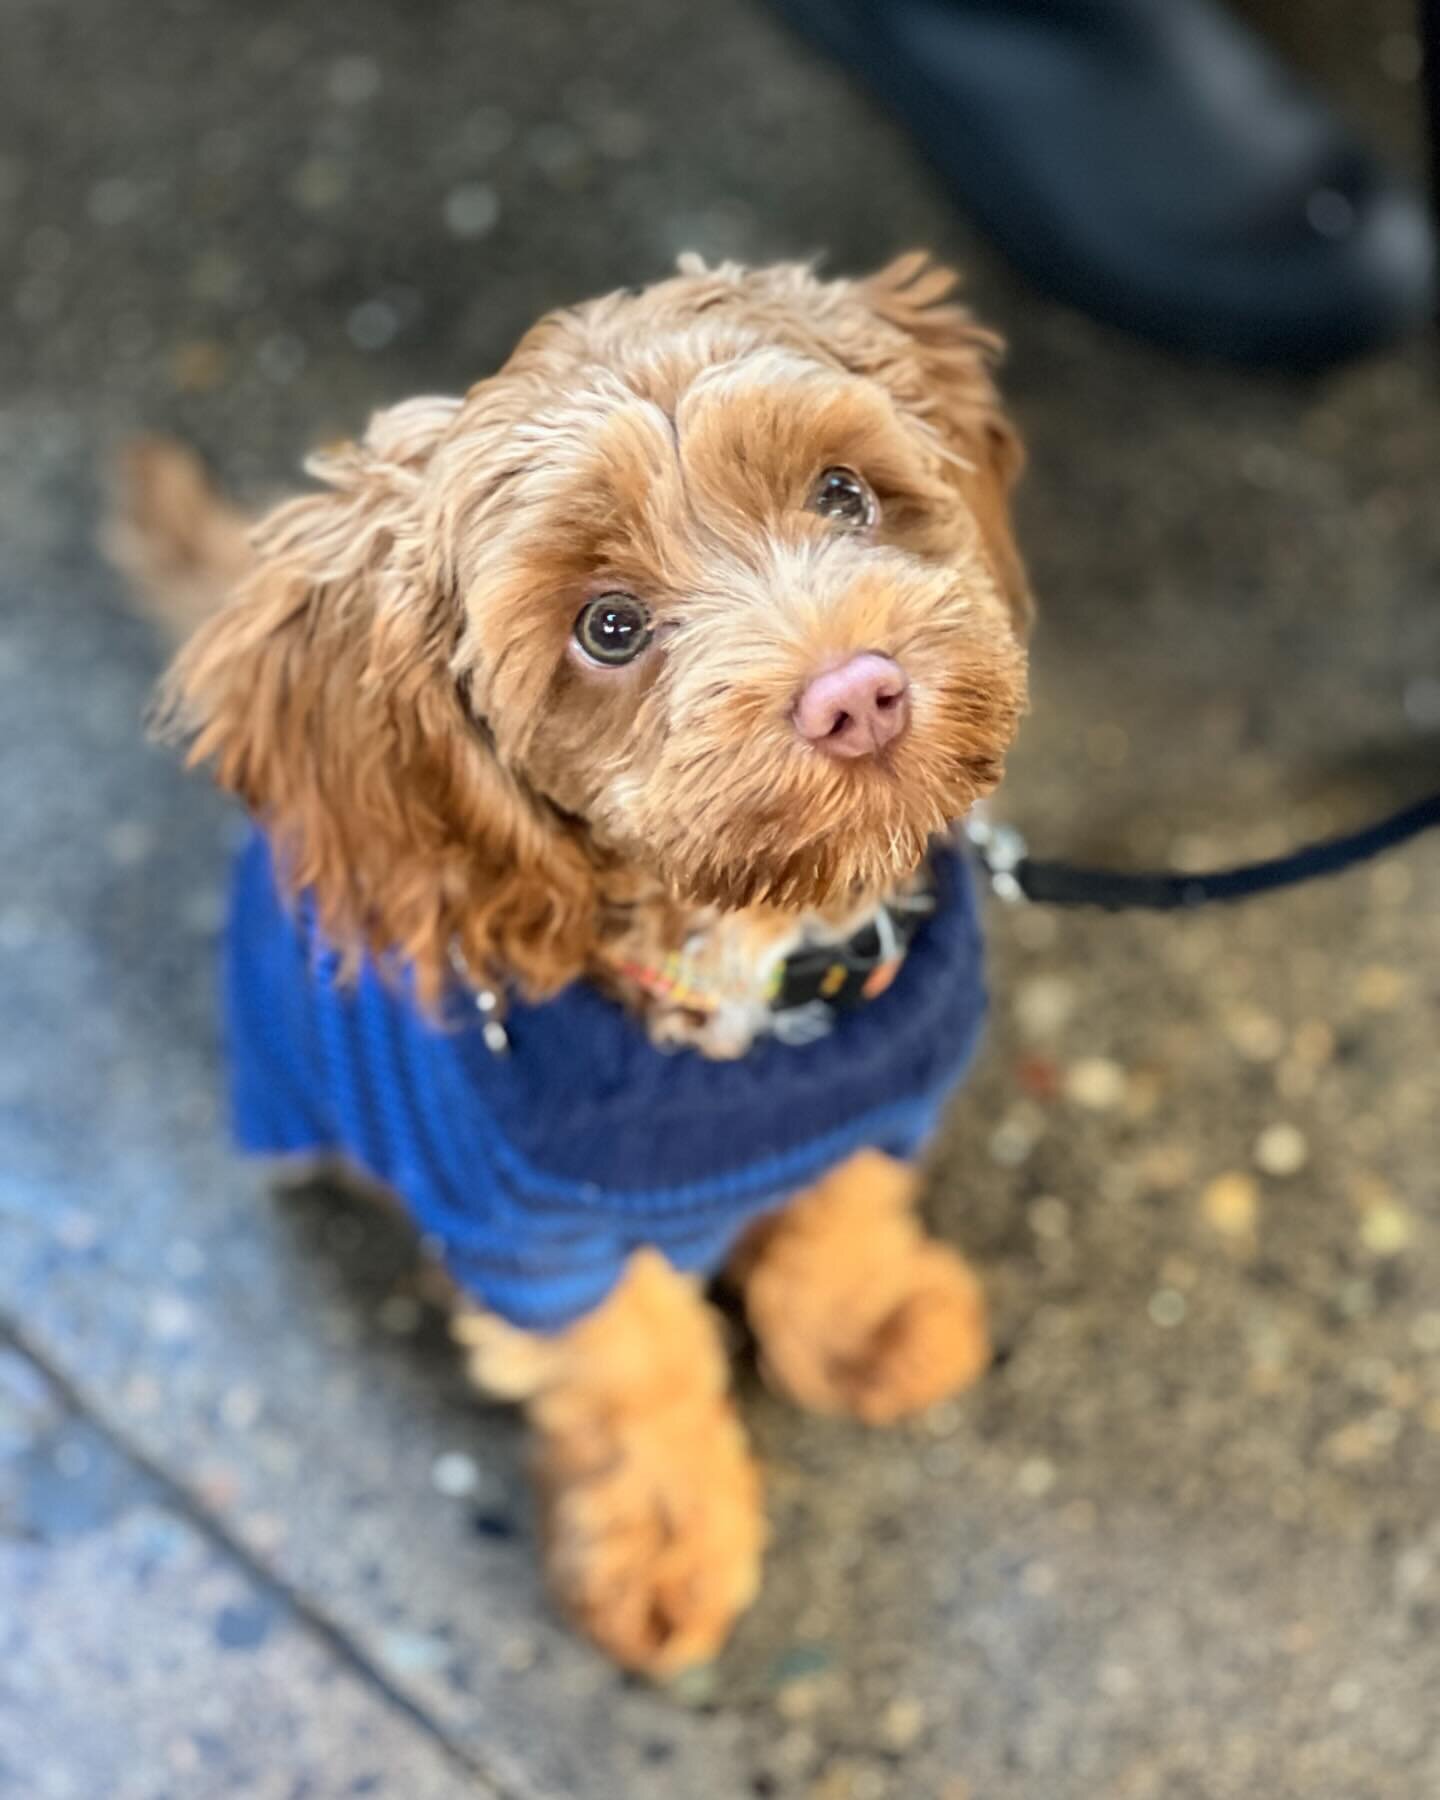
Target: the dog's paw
(855, 1309)
(654, 1533)
(931, 1343)
(925, 1339)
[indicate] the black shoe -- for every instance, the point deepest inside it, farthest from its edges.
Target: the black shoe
(1151, 162)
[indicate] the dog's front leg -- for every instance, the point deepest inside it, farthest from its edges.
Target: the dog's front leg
(856, 1310)
(650, 1501)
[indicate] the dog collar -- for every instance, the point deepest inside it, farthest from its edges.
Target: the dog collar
(804, 990)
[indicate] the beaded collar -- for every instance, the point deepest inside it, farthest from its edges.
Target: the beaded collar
(802, 992)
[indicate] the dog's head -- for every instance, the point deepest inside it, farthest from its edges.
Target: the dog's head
(712, 586)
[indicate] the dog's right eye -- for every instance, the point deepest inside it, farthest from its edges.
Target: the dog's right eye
(613, 629)
(843, 497)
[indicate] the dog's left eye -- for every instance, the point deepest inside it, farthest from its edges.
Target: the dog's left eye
(841, 495)
(613, 629)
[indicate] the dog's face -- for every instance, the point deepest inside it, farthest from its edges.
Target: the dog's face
(712, 584)
(676, 564)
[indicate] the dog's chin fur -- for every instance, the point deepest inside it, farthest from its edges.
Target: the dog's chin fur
(394, 689)
(855, 864)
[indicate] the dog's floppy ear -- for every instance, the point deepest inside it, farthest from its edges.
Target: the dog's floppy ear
(323, 694)
(936, 362)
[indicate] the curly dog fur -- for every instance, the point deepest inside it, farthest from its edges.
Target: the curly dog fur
(392, 686)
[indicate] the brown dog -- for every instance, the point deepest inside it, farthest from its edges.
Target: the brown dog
(687, 632)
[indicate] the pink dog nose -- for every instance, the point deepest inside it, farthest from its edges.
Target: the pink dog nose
(856, 709)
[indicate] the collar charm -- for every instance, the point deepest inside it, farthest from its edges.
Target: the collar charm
(798, 994)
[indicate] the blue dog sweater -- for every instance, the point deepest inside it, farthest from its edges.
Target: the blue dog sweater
(536, 1173)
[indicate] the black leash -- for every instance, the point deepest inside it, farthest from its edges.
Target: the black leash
(1016, 875)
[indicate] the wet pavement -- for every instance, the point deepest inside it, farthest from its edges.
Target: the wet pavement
(256, 1538)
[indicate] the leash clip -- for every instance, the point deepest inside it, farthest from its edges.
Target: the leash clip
(1002, 851)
